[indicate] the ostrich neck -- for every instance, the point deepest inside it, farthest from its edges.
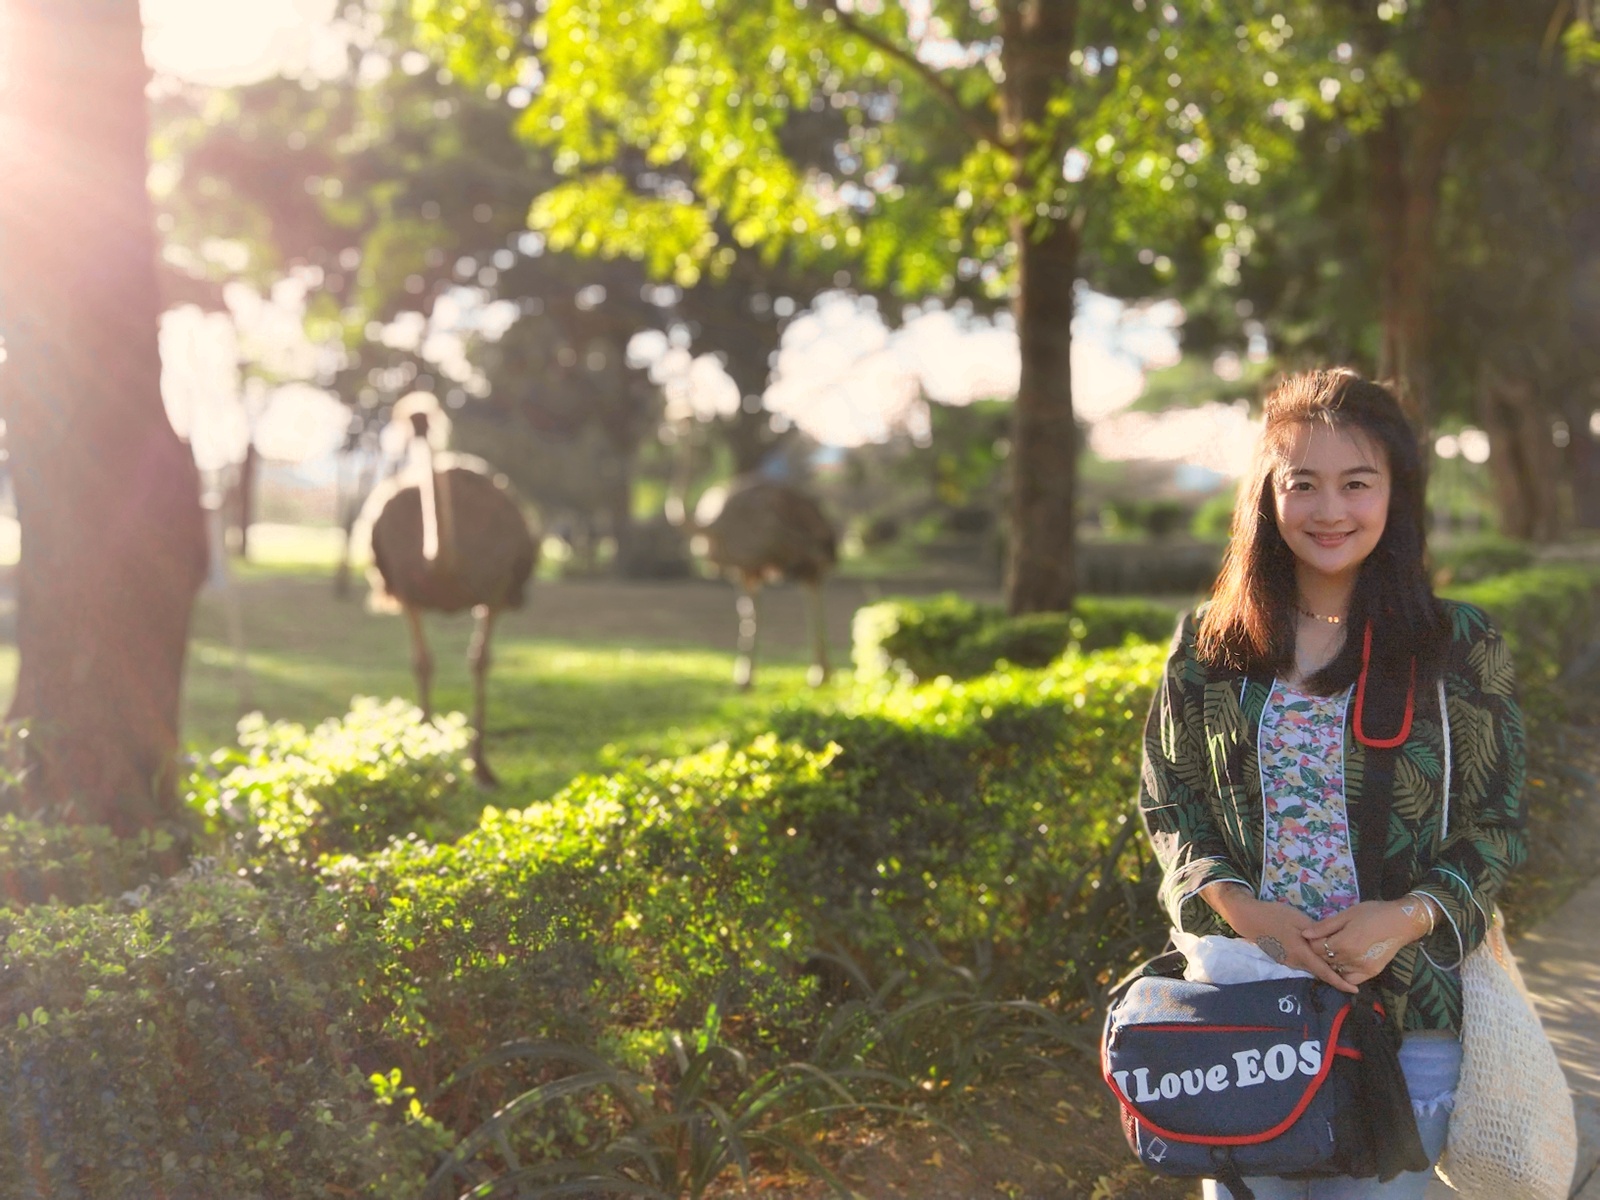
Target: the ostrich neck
(438, 516)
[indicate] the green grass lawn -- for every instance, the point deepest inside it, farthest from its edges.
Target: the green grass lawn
(558, 705)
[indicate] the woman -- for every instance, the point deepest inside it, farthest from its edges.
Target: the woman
(1296, 753)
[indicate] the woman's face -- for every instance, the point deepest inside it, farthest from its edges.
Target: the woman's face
(1332, 501)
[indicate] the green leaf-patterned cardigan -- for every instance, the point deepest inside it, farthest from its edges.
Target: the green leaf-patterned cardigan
(1200, 798)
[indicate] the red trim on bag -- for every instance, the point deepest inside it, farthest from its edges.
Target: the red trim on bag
(1348, 1052)
(1196, 1027)
(1240, 1139)
(1361, 700)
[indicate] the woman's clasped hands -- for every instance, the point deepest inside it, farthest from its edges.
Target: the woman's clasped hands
(1361, 940)
(1344, 950)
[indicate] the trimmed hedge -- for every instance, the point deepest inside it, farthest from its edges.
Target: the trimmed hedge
(1471, 560)
(77, 864)
(350, 784)
(954, 817)
(1548, 615)
(191, 1047)
(918, 640)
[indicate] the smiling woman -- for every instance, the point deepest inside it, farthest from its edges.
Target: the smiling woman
(239, 42)
(1281, 788)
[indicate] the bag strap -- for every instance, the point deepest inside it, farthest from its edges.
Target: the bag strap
(1376, 879)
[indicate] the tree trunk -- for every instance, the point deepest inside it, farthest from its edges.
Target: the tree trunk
(618, 507)
(1041, 571)
(1522, 457)
(1583, 469)
(1407, 152)
(113, 542)
(244, 500)
(748, 432)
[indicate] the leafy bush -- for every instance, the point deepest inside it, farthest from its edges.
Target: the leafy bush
(668, 1135)
(1213, 520)
(952, 816)
(1548, 615)
(194, 1046)
(351, 783)
(78, 864)
(950, 635)
(1150, 518)
(913, 636)
(1482, 557)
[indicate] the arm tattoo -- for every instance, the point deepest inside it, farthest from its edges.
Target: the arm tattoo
(1273, 949)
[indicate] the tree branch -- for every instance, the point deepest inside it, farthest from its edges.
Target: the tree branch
(977, 127)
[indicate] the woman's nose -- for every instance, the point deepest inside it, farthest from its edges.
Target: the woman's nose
(1328, 505)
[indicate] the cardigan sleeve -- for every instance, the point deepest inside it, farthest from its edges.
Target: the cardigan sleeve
(1485, 818)
(1173, 790)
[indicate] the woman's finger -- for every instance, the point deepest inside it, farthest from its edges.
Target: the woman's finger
(1323, 968)
(1328, 926)
(1326, 965)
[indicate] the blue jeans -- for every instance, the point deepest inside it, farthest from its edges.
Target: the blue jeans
(1432, 1064)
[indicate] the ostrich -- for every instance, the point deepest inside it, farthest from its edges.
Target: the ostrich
(447, 534)
(766, 531)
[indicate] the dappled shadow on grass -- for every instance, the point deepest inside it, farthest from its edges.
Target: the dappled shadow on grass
(558, 707)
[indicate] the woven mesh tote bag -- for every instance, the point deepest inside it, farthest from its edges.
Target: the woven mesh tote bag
(1512, 1133)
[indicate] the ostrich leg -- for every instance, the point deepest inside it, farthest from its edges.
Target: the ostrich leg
(478, 660)
(820, 668)
(744, 667)
(421, 661)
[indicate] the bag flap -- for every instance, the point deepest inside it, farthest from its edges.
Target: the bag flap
(1236, 1064)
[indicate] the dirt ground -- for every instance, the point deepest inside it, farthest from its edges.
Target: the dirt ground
(1049, 1135)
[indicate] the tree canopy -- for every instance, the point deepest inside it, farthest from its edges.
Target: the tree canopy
(999, 150)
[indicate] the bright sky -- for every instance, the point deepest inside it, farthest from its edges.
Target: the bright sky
(226, 42)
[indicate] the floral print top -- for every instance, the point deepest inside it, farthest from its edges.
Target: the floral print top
(1308, 860)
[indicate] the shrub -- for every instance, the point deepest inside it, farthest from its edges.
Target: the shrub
(915, 636)
(1113, 620)
(1548, 615)
(950, 635)
(631, 900)
(195, 1046)
(1153, 518)
(351, 783)
(951, 817)
(78, 864)
(1482, 557)
(1213, 520)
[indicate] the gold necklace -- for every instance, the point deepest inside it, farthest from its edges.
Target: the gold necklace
(1306, 612)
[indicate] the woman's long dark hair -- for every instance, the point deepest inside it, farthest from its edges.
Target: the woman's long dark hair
(1250, 624)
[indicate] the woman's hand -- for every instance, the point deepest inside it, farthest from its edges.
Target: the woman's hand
(1364, 937)
(1277, 929)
